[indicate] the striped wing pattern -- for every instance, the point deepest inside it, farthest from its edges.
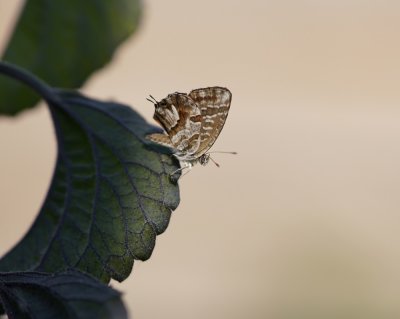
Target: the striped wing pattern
(214, 104)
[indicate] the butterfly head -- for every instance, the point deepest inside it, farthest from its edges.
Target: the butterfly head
(204, 159)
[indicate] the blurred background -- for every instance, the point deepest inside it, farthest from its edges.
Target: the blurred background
(304, 222)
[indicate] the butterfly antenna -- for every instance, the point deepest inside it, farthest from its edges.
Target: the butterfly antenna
(216, 164)
(152, 99)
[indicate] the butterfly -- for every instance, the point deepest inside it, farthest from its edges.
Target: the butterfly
(192, 123)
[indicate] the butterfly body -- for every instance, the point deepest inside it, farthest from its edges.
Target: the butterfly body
(192, 122)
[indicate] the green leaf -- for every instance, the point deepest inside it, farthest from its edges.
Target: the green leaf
(64, 42)
(70, 294)
(111, 192)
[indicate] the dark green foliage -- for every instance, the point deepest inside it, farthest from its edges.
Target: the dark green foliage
(64, 42)
(110, 195)
(70, 294)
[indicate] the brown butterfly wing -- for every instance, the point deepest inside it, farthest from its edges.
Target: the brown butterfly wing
(214, 104)
(160, 138)
(181, 118)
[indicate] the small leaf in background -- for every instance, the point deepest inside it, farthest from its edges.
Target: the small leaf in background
(64, 42)
(110, 195)
(70, 294)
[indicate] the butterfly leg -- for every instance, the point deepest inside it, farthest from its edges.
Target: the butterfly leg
(175, 178)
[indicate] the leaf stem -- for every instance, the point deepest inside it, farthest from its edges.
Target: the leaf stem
(22, 75)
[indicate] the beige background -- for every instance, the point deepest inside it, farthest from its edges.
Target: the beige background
(304, 222)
